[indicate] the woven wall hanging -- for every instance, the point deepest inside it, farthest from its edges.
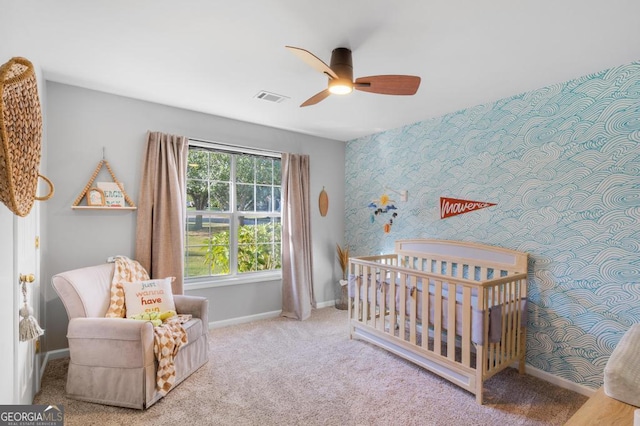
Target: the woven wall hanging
(323, 202)
(20, 137)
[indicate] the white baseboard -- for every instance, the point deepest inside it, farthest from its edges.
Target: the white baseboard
(243, 320)
(559, 381)
(262, 316)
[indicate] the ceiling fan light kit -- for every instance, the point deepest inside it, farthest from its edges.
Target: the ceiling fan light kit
(340, 75)
(340, 86)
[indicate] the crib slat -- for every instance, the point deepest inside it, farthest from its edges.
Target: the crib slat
(506, 321)
(366, 279)
(496, 345)
(356, 292)
(522, 331)
(376, 276)
(351, 306)
(380, 292)
(451, 323)
(483, 273)
(413, 284)
(518, 318)
(392, 310)
(437, 319)
(425, 313)
(511, 313)
(510, 326)
(466, 326)
(377, 279)
(482, 351)
(493, 347)
(402, 320)
(382, 309)
(365, 294)
(503, 333)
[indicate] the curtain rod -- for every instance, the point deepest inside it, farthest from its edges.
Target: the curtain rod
(248, 149)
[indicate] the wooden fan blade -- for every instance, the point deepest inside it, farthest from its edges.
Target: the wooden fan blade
(316, 98)
(388, 84)
(313, 61)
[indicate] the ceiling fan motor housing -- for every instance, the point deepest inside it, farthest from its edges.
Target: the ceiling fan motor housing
(342, 65)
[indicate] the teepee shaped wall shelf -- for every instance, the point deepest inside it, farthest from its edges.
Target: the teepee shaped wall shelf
(88, 189)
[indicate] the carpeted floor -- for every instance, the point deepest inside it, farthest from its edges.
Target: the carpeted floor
(286, 372)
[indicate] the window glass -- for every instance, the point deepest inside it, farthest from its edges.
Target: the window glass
(207, 245)
(233, 213)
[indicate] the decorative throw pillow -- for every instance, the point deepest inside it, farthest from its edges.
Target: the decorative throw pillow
(149, 296)
(125, 271)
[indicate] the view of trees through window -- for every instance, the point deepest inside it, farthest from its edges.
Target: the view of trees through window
(233, 213)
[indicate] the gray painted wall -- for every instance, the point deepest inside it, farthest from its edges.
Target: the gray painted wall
(81, 122)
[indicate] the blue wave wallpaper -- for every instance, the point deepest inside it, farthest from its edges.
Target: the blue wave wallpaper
(562, 163)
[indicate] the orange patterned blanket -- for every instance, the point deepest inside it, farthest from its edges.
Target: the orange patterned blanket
(168, 338)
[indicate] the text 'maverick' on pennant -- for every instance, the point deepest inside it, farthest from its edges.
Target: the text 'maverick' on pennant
(455, 206)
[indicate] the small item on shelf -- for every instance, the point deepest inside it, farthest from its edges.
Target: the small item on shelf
(95, 197)
(113, 194)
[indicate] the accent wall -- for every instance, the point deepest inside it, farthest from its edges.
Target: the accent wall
(562, 163)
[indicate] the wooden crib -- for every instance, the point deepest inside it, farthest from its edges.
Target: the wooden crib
(475, 305)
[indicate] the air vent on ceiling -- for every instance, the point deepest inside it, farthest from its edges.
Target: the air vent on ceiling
(270, 97)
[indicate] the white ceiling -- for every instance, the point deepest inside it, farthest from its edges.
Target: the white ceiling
(215, 56)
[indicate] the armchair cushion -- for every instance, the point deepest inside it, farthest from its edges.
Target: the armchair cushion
(194, 306)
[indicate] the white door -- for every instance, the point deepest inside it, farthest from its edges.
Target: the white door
(8, 313)
(26, 260)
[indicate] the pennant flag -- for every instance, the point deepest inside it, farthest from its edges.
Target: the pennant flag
(455, 206)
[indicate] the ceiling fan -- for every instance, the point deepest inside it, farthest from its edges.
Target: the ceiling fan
(340, 74)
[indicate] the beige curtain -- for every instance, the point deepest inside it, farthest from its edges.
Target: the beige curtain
(297, 280)
(161, 206)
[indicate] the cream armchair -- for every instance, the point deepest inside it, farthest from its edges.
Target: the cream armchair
(112, 360)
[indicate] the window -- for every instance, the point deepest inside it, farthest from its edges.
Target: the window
(233, 212)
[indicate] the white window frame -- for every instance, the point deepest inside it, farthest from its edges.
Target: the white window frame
(233, 278)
